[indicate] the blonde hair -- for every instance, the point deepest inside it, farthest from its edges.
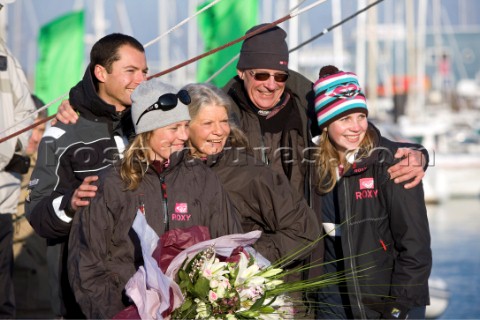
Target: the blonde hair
(327, 159)
(135, 160)
(203, 94)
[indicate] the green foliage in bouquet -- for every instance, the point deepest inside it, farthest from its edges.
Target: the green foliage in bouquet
(237, 288)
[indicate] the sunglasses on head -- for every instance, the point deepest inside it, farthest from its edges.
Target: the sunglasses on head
(168, 101)
(264, 76)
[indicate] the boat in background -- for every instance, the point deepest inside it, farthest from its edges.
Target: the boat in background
(439, 298)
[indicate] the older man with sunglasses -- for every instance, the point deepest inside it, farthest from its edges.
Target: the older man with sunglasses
(275, 108)
(273, 116)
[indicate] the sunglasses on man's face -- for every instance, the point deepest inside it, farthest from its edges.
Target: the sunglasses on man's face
(167, 102)
(264, 76)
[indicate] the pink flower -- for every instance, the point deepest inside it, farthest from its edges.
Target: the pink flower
(207, 273)
(212, 296)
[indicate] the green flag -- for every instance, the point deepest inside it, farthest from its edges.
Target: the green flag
(61, 51)
(218, 25)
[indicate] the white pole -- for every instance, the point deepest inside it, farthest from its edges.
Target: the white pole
(399, 66)
(164, 44)
(293, 38)
(438, 43)
(16, 43)
(123, 18)
(372, 59)
(192, 41)
(267, 11)
(361, 42)
(387, 71)
(411, 59)
(99, 22)
(337, 34)
(422, 22)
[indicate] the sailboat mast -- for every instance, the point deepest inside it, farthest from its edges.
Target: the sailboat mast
(338, 58)
(293, 38)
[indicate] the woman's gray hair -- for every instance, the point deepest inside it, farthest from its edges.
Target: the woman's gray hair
(206, 94)
(203, 94)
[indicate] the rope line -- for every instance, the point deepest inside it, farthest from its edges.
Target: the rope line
(33, 125)
(181, 23)
(325, 31)
(34, 114)
(228, 44)
(295, 12)
(219, 71)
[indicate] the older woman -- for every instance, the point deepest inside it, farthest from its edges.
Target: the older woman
(264, 198)
(154, 177)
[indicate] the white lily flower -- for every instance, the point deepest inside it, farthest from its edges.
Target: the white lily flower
(271, 272)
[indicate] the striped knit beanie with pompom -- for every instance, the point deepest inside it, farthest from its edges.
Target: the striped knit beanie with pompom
(337, 95)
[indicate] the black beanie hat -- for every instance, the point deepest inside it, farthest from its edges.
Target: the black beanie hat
(265, 50)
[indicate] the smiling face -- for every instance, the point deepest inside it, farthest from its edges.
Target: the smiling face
(116, 86)
(264, 94)
(209, 130)
(348, 132)
(166, 140)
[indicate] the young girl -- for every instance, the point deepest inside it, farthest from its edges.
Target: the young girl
(155, 176)
(370, 221)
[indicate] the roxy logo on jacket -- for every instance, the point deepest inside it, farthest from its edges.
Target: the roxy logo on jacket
(181, 212)
(367, 189)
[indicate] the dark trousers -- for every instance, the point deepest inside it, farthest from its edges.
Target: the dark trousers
(7, 296)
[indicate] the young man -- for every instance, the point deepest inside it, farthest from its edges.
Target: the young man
(71, 156)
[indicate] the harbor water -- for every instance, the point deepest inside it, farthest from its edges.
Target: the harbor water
(455, 232)
(454, 228)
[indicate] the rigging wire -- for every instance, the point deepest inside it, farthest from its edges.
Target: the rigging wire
(216, 73)
(294, 12)
(324, 31)
(65, 94)
(181, 23)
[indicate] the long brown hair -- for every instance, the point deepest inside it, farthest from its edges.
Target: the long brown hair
(327, 159)
(135, 160)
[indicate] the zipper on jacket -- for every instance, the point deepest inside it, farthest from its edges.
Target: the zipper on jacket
(348, 216)
(163, 188)
(264, 151)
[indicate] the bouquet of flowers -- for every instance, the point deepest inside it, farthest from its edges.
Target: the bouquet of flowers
(236, 288)
(187, 275)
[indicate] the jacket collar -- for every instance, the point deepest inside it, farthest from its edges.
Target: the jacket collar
(378, 155)
(87, 102)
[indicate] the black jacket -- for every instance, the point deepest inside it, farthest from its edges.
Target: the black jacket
(384, 227)
(285, 149)
(69, 153)
(66, 155)
(267, 202)
(104, 250)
